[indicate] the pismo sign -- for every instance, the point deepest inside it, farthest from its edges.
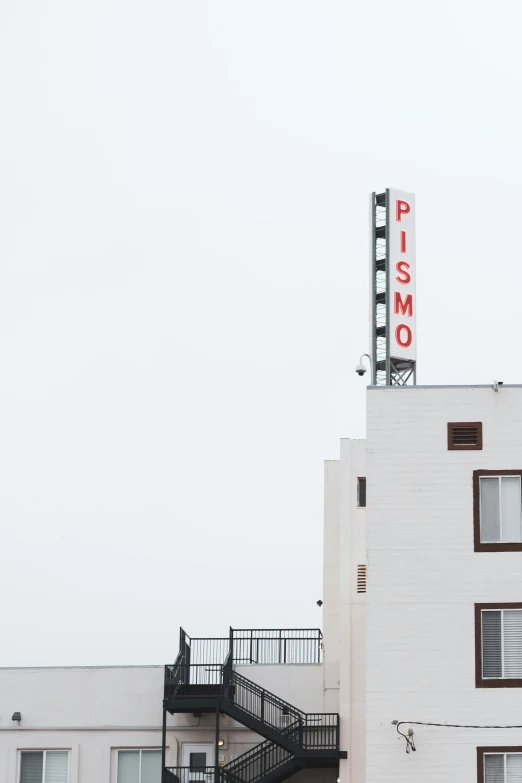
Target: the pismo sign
(401, 270)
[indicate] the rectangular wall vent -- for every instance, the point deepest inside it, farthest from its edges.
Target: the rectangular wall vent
(464, 435)
(361, 578)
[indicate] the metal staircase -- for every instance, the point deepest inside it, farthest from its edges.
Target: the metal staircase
(293, 739)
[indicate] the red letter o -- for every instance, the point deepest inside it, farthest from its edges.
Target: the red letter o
(409, 337)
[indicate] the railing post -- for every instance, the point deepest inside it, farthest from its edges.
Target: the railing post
(262, 706)
(164, 741)
(216, 752)
(231, 643)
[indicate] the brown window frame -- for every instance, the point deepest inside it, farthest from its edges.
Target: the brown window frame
(465, 447)
(483, 751)
(478, 545)
(480, 682)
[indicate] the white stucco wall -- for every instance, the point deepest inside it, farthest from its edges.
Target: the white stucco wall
(344, 608)
(352, 612)
(424, 578)
(300, 685)
(93, 712)
(332, 585)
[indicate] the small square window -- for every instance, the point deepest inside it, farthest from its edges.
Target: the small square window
(497, 510)
(139, 766)
(198, 761)
(499, 765)
(44, 766)
(361, 492)
(498, 645)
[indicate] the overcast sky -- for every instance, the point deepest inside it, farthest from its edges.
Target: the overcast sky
(183, 290)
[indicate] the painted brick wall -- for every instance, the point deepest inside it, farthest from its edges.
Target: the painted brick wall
(424, 578)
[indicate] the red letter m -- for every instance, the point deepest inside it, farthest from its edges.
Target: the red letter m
(406, 307)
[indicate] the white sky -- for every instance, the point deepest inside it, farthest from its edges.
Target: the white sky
(183, 289)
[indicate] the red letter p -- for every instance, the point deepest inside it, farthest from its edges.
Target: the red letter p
(401, 208)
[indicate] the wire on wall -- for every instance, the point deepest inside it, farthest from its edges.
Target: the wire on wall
(410, 744)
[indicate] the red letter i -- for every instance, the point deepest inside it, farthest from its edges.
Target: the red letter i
(403, 241)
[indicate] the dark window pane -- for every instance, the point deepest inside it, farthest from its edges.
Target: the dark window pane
(361, 492)
(491, 644)
(198, 760)
(31, 768)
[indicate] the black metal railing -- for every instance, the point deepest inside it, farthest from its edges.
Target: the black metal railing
(312, 731)
(209, 651)
(175, 676)
(254, 646)
(192, 774)
(268, 646)
(316, 731)
(253, 765)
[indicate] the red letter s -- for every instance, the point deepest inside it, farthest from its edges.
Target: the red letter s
(402, 267)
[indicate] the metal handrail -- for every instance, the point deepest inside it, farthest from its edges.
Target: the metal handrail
(277, 645)
(256, 763)
(315, 730)
(193, 775)
(173, 674)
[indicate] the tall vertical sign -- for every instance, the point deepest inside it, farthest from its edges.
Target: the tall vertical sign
(393, 273)
(401, 268)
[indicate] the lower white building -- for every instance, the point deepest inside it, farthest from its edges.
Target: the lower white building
(107, 725)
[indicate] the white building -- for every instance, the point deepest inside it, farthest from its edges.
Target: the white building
(437, 636)
(104, 724)
(422, 625)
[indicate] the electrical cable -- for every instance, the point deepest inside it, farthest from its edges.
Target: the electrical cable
(410, 745)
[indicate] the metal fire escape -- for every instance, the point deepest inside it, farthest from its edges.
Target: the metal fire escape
(203, 680)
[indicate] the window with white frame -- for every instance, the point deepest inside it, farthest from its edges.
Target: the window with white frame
(139, 766)
(502, 767)
(500, 509)
(44, 766)
(502, 644)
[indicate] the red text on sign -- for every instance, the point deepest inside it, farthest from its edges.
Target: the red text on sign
(402, 267)
(401, 208)
(403, 335)
(405, 307)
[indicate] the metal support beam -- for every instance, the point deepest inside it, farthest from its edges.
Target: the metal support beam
(164, 740)
(216, 752)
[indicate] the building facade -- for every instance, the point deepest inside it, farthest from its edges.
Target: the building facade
(444, 619)
(423, 581)
(104, 724)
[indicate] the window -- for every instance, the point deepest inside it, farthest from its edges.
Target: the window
(361, 492)
(139, 766)
(464, 435)
(497, 510)
(44, 766)
(498, 645)
(499, 765)
(198, 761)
